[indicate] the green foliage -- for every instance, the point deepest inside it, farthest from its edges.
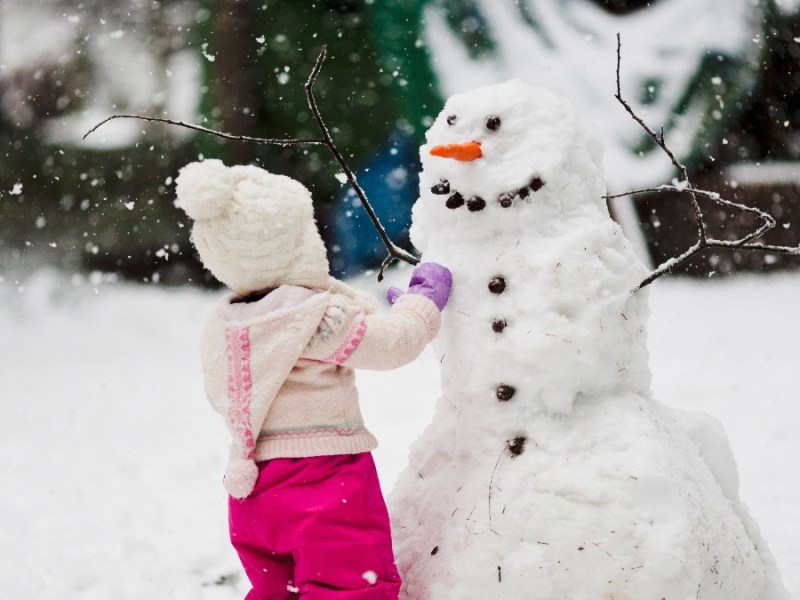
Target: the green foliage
(397, 29)
(280, 49)
(97, 210)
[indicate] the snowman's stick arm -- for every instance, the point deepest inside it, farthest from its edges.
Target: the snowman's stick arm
(744, 243)
(684, 186)
(673, 262)
(768, 220)
(201, 129)
(659, 139)
(395, 252)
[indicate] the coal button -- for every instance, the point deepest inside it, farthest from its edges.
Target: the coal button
(505, 392)
(497, 285)
(441, 188)
(454, 201)
(517, 446)
(499, 324)
(476, 203)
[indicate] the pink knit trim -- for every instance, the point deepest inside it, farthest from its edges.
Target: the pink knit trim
(240, 385)
(350, 343)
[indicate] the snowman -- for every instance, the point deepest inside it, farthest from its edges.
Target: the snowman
(548, 471)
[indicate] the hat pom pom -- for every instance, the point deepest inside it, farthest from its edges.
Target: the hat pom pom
(240, 477)
(204, 189)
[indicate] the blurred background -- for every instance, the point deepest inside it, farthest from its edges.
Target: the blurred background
(721, 76)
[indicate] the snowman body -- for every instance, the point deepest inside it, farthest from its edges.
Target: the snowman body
(548, 472)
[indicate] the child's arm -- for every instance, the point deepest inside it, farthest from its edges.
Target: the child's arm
(350, 337)
(365, 300)
(393, 340)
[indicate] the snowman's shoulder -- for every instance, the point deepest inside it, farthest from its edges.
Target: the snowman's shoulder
(708, 435)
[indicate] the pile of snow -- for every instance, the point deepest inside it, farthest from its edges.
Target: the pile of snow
(111, 459)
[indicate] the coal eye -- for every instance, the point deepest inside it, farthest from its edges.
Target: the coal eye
(451, 119)
(493, 122)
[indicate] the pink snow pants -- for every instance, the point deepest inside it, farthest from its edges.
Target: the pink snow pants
(316, 529)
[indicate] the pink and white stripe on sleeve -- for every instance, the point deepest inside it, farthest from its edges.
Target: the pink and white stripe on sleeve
(350, 343)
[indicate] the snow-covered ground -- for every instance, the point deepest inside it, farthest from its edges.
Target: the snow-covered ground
(110, 459)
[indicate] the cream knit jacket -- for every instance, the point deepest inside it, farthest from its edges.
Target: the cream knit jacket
(280, 370)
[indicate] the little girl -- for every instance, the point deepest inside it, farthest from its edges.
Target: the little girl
(306, 513)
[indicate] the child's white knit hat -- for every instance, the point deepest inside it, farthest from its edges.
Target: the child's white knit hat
(253, 229)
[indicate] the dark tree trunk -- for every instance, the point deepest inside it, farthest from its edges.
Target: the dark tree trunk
(234, 77)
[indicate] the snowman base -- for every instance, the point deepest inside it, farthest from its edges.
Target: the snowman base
(613, 501)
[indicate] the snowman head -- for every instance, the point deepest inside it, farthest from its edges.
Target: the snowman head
(507, 154)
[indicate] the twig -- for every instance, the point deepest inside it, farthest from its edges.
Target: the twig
(659, 139)
(201, 129)
(395, 252)
(491, 484)
(685, 186)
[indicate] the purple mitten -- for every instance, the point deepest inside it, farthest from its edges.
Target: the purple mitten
(393, 293)
(430, 280)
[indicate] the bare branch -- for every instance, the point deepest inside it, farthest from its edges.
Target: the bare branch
(658, 140)
(714, 196)
(790, 250)
(672, 263)
(387, 262)
(701, 229)
(669, 265)
(395, 252)
(685, 187)
(201, 129)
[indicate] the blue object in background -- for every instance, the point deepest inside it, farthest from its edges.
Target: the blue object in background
(391, 182)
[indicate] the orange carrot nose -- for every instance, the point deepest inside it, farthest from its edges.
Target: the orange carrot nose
(464, 152)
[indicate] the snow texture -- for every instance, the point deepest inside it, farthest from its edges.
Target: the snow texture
(548, 470)
(111, 461)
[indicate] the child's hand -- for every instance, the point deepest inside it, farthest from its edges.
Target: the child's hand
(430, 280)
